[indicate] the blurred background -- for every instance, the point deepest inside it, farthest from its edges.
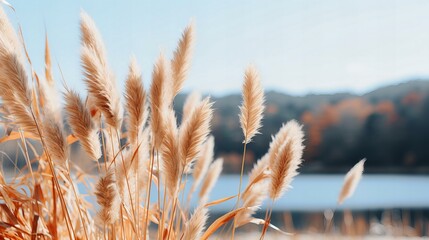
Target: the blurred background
(354, 73)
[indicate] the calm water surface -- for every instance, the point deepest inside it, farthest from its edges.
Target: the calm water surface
(319, 192)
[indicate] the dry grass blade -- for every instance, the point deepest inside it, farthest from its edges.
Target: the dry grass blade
(220, 222)
(48, 66)
(252, 107)
(219, 201)
(195, 226)
(182, 56)
(80, 122)
(195, 131)
(263, 222)
(351, 181)
(135, 102)
(210, 180)
(287, 162)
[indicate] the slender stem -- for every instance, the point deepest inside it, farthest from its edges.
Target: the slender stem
(103, 144)
(163, 212)
(239, 186)
(126, 180)
(267, 220)
(179, 219)
(148, 192)
(122, 224)
(78, 205)
(173, 212)
(114, 162)
(159, 181)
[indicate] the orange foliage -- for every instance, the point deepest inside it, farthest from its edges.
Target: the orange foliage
(330, 115)
(412, 98)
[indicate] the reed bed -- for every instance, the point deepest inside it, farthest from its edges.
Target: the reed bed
(136, 147)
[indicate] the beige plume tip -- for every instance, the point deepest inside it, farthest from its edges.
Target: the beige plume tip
(252, 108)
(351, 181)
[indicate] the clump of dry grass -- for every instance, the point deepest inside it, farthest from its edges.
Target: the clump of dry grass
(153, 150)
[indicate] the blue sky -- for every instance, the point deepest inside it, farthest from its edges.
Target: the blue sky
(297, 46)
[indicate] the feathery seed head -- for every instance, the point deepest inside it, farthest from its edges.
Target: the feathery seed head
(194, 131)
(252, 108)
(135, 98)
(182, 57)
(287, 161)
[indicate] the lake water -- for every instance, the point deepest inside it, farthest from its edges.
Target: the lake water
(320, 192)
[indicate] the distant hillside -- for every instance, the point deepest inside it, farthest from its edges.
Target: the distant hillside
(388, 126)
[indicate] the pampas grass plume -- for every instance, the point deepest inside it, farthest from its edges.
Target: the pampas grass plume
(287, 161)
(135, 102)
(80, 122)
(182, 56)
(194, 131)
(99, 80)
(160, 98)
(107, 194)
(252, 108)
(170, 153)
